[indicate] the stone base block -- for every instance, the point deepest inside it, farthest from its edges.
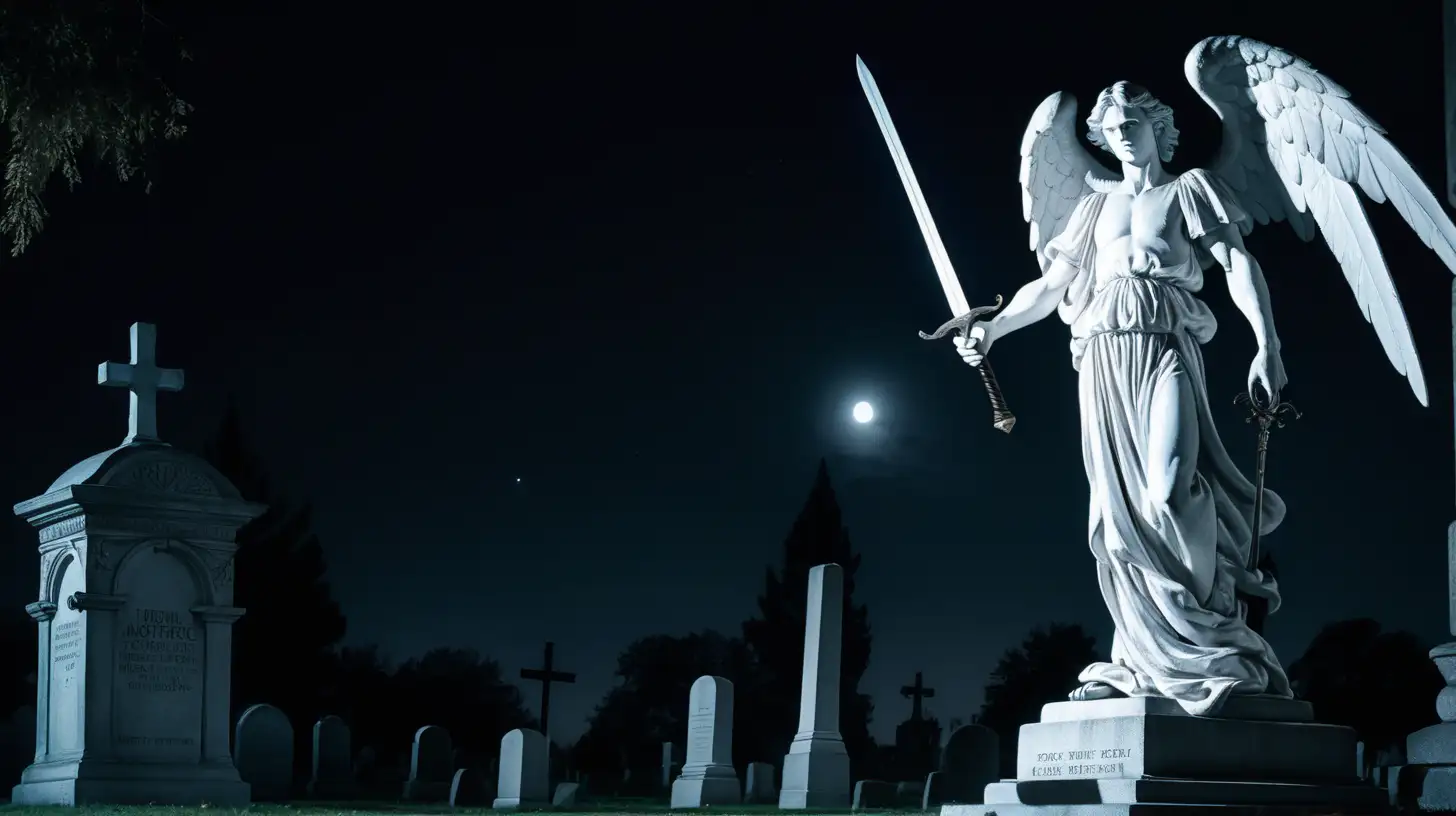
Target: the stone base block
(700, 791)
(93, 783)
(1170, 797)
(1432, 745)
(1148, 757)
(816, 778)
(1135, 738)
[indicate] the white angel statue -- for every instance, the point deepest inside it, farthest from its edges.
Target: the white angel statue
(1122, 257)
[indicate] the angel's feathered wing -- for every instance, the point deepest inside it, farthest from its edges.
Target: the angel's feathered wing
(1295, 148)
(1054, 169)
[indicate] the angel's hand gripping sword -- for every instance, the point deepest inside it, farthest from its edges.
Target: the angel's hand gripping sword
(1001, 417)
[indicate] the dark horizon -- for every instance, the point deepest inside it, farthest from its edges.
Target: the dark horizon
(563, 327)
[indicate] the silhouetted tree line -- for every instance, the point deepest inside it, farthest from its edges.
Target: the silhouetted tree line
(1380, 683)
(293, 628)
(649, 705)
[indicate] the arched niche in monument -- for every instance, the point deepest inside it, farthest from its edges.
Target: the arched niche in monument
(135, 623)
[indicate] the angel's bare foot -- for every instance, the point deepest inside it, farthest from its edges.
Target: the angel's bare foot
(1093, 691)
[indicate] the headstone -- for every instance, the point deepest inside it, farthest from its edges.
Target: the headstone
(135, 618)
(467, 789)
(431, 760)
(263, 751)
(934, 793)
(758, 784)
(523, 771)
(971, 761)
(816, 769)
(331, 777)
(870, 794)
(669, 763)
(565, 795)
(708, 777)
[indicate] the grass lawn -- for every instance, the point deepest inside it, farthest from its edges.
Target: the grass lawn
(623, 807)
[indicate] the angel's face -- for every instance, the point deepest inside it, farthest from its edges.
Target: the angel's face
(1129, 135)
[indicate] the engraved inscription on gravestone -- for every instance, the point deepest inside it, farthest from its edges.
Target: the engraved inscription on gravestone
(1087, 763)
(67, 653)
(700, 735)
(159, 651)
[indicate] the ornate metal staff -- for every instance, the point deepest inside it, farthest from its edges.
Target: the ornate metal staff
(1268, 415)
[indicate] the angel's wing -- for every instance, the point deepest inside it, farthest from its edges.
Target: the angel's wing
(1054, 170)
(1294, 147)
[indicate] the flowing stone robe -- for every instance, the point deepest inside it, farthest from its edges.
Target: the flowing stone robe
(1170, 517)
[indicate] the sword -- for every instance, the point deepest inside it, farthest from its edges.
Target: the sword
(1267, 415)
(964, 315)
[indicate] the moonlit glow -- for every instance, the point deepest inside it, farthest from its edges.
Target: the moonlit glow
(863, 412)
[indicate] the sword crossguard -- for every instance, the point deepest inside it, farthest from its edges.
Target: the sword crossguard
(962, 324)
(1001, 417)
(1268, 412)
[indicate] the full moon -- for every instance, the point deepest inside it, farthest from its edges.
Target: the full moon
(863, 412)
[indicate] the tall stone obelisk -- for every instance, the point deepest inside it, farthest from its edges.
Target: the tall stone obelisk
(1431, 751)
(816, 769)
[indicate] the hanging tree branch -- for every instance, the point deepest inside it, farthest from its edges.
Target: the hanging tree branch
(78, 77)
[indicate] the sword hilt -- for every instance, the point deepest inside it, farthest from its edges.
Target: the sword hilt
(1001, 417)
(1267, 413)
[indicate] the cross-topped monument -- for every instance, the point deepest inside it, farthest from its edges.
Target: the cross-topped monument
(547, 675)
(144, 379)
(917, 693)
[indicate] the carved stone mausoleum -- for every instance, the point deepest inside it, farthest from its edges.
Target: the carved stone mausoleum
(134, 623)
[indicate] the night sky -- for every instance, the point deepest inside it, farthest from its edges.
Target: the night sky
(644, 264)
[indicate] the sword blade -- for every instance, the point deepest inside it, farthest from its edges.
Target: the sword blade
(943, 269)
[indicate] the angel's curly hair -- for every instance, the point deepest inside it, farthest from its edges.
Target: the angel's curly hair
(1127, 94)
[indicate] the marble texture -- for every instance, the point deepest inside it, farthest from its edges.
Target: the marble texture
(708, 777)
(1120, 756)
(1170, 514)
(523, 777)
(134, 624)
(816, 769)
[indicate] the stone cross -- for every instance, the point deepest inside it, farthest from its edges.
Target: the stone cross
(547, 675)
(144, 379)
(917, 693)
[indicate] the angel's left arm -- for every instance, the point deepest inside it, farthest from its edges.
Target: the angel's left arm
(1246, 282)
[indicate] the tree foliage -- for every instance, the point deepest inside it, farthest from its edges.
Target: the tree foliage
(775, 637)
(1043, 669)
(649, 704)
(78, 81)
(1382, 684)
(292, 623)
(460, 691)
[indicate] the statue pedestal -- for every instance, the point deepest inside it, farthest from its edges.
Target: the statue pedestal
(1428, 780)
(1146, 755)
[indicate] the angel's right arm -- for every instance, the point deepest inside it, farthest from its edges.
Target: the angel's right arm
(1036, 300)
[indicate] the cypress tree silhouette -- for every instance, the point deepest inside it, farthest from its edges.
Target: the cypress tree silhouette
(775, 637)
(283, 648)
